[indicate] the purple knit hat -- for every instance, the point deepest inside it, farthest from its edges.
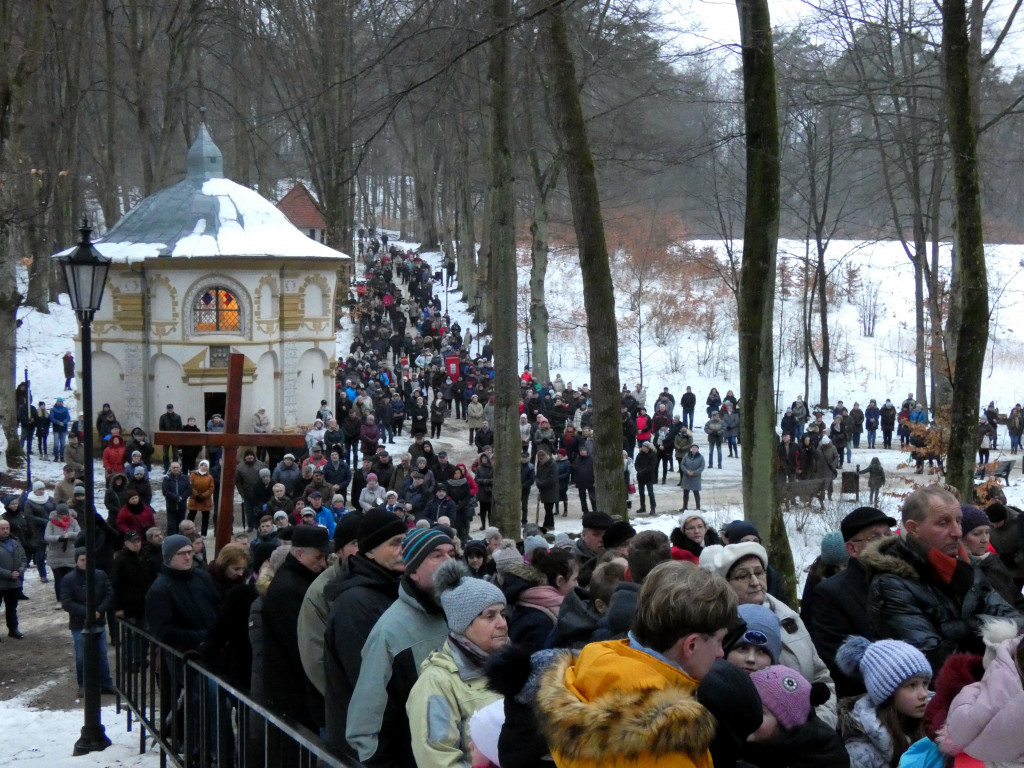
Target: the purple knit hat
(785, 693)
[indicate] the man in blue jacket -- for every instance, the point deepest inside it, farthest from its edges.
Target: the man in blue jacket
(59, 419)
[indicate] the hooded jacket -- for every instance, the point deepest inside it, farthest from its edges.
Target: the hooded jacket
(617, 705)
(906, 601)
(985, 718)
(867, 741)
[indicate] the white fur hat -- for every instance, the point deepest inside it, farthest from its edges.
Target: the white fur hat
(720, 560)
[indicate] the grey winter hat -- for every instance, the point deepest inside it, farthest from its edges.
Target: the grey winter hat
(265, 472)
(139, 471)
(38, 485)
(463, 597)
(171, 546)
(79, 491)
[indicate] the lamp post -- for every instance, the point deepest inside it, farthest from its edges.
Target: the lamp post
(476, 316)
(85, 272)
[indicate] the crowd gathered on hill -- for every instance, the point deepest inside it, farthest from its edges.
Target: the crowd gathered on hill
(368, 600)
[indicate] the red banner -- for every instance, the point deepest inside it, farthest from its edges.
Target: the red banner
(451, 364)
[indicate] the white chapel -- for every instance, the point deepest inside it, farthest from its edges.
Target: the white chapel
(199, 270)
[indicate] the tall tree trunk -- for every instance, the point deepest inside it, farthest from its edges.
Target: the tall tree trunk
(757, 283)
(598, 292)
(826, 344)
(920, 356)
(970, 247)
(507, 489)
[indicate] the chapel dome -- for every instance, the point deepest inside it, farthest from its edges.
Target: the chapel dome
(206, 215)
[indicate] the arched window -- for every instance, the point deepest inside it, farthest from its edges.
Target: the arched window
(216, 310)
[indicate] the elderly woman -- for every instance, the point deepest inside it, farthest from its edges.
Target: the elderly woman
(474, 417)
(372, 495)
(201, 500)
(744, 566)
(61, 531)
(452, 685)
(690, 538)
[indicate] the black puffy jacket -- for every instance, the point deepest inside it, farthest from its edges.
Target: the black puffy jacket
(906, 601)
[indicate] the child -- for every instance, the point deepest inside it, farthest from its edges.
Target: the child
(876, 479)
(880, 726)
(986, 719)
(791, 736)
(760, 645)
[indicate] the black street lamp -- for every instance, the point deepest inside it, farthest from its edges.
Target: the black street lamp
(85, 272)
(476, 316)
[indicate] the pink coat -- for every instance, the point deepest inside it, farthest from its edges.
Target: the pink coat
(986, 718)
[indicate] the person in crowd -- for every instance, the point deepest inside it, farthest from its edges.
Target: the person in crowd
(61, 532)
(201, 500)
(984, 720)
(1006, 536)
(744, 567)
(451, 686)
(358, 597)
(135, 515)
(923, 588)
(13, 562)
(284, 681)
(73, 600)
(879, 726)
(647, 550)
(976, 529)
(831, 560)
(590, 706)
(715, 430)
(759, 644)
(791, 735)
(401, 640)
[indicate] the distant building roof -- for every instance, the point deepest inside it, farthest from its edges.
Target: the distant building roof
(207, 215)
(301, 209)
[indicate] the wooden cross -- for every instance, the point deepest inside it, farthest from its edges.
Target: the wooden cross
(231, 439)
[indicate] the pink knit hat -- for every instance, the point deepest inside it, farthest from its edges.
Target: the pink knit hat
(785, 693)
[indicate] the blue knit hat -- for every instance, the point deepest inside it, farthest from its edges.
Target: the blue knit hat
(463, 597)
(884, 665)
(762, 630)
(833, 549)
(419, 543)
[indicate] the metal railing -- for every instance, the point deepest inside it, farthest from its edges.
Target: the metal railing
(198, 720)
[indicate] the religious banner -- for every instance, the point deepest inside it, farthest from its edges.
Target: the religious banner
(451, 364)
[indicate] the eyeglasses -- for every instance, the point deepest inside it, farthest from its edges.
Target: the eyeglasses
(869, 539)
(746, 575)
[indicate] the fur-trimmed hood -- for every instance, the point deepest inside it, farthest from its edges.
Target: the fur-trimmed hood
(890, 555)
(614, 704)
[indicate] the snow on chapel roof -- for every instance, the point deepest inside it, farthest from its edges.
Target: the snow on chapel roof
(207, 215)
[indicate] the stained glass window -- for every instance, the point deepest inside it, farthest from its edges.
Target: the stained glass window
(216, 311)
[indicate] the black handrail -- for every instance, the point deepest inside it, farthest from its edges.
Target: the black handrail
(198, 720)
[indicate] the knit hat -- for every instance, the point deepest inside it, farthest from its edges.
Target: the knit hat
(996, 512)
(973, 518)
(78, 491)
(532, 544)
(476, 548)
(825, 440)
(347, 530)
(785, 693)
(38, 485)
(617, 534)
(463, 597)
(171, 546)
(376, 527)
(371, 476)
(738, 529)
(420, 542)
(762, 630)
(727, 693)
(884, 665)
(720, 560)
(506, 557)
(280, 513)
(833, 549)
(265, 472)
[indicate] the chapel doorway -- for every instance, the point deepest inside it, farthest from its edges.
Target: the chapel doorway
(213, 402)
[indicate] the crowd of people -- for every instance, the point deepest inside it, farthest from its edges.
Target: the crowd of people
(367, 599)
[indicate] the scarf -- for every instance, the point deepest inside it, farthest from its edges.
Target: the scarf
(471, 652)
(956, 574)
(62, 522)
(545, 599)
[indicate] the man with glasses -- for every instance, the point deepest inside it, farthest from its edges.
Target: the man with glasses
(840, 603)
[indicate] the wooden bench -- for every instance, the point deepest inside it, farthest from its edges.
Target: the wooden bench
(1002, 469)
